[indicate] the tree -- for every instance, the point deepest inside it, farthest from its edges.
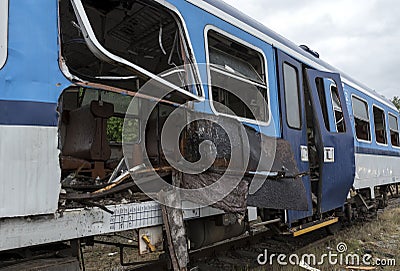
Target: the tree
(396, 101)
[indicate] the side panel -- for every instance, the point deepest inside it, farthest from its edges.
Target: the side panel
(32, 72)
(376, 164)
(77, 223)
(196, 21)
(29, 179)
(374, 170)
(30, 85)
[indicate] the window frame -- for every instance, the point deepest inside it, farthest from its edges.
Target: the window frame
(102, 53)
(390, 130)
(369, 119)
(385, 123)
(298, 95)
(333, 84)
(4, 10)
(265, 72)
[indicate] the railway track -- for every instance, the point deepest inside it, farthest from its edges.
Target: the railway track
(241, 253)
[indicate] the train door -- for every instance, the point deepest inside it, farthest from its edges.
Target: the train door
(332, 139)
(294, 125)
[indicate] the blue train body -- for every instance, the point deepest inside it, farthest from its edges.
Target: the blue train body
(345, 151)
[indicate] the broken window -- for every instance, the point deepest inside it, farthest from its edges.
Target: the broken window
(361, 119)
(3, 31)
(380, 125)
(337, 110)
(90, 129)
(125, 43)
(394, 130)
(319, 82)
(237, 78)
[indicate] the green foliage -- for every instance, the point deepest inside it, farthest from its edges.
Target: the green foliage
(114, 130)
(396, 101)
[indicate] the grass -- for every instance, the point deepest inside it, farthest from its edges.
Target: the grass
(379, 238)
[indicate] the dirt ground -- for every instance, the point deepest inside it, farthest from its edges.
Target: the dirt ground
(379, 238)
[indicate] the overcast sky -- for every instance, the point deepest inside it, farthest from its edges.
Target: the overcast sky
(359, 37)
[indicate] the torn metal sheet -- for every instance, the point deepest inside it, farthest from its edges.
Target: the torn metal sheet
(235, 202)
(286, 191)
(279, 189)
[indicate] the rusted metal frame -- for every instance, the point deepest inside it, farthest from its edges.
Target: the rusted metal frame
(86, 84)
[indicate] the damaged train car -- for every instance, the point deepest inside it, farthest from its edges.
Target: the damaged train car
(116, 112)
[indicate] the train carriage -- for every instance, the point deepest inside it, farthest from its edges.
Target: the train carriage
(73, 72)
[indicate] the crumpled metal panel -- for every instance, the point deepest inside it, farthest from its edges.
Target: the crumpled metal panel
(276, 193)
(235, 202)
(275, 155)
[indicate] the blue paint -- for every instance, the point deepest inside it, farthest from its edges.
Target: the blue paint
(372, 147)
(375, 151)
(31, 83)
(296, 137)
(28, 113)
(337, 177)
(196, 21)
(31, 72)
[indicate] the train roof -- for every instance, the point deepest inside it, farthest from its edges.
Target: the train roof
(241, 20)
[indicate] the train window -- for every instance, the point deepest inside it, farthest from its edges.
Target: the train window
(361, 119)
(116, 121)
(394, 130)
(337, 110)
(127, 44)
(3, 31)
(319, 82)
(291, 79)
(380, 126)
(239, 69)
